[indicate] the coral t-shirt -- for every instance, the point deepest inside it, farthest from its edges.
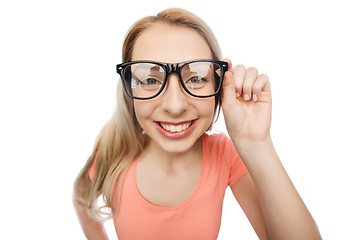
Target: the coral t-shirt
(197, 218)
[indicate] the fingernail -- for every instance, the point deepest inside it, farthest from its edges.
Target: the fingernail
(246, 97)
(254, 97)
(237, 94)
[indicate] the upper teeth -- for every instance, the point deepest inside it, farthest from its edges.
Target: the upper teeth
(175, 128)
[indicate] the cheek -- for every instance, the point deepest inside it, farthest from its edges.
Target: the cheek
(206, 108)
(142, 110)
(207, 113)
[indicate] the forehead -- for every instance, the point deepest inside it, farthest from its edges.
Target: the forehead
(168, 43)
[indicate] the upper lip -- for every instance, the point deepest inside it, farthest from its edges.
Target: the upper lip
(175, 123)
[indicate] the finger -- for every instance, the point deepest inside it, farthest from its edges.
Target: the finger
(251, 75)
(239, 78)
(230, 68)
(228, 88)
(260, 84)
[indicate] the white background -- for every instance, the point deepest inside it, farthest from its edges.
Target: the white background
(57, 90)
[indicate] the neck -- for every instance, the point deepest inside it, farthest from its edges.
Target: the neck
(171, 161)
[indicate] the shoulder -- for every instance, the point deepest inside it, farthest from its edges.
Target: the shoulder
(218, 143)
(220, 147)
(215, 139)
(92, 169)
(221, 153)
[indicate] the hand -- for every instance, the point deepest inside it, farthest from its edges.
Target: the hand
(246, 104)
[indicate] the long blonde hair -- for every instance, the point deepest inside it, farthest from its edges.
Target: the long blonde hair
(121, 139)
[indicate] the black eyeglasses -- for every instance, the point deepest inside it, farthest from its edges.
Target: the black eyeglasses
(147, 79)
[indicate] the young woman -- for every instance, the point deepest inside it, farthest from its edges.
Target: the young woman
(160, 174)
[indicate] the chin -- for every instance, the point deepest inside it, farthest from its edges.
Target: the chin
(178, 146)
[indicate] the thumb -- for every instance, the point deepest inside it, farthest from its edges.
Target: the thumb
(229, 92)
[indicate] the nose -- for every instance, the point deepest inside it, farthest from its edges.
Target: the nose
(174, 99)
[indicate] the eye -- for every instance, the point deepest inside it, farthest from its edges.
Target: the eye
(150, 81)
(196, 80)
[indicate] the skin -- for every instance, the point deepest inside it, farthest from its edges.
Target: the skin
(266, 193)
(92, 229)
(165, 43)
(168, 170)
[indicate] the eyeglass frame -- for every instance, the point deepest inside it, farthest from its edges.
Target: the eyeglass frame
(171, 68)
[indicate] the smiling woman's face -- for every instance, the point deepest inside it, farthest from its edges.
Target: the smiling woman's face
(174, 120)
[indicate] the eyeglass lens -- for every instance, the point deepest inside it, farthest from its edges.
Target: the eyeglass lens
(145, 80)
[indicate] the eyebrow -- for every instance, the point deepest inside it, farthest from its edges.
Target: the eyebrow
(155, 68)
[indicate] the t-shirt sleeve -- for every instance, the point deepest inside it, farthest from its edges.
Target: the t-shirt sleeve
(92, 169)
(237, 168)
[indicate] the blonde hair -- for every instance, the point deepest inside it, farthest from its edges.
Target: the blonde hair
(121, 139)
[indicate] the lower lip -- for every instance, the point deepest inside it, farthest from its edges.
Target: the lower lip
(174, 135)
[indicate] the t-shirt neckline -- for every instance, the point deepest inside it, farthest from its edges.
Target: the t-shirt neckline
(189, 200)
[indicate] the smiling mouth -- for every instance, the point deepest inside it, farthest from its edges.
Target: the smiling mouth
(175, 128)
